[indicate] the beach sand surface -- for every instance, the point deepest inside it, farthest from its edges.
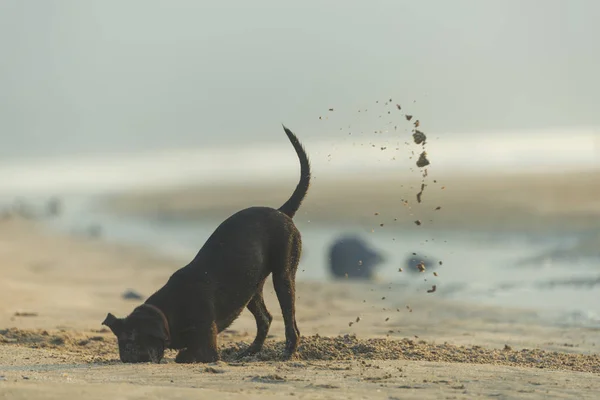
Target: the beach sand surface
(56, 289)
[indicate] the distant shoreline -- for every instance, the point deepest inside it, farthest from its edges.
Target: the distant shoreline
(391, 155)
(527, 202)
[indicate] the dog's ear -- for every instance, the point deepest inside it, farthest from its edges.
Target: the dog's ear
(115, 324)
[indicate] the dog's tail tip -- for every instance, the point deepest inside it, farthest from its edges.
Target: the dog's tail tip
(293, 204)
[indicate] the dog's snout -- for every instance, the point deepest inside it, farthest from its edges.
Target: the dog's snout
(131, 353)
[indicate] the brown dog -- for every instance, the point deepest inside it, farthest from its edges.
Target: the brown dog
(228, 273)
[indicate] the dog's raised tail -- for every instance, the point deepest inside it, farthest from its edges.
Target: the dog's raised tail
(291, 206)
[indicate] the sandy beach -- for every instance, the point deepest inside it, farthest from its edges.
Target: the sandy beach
(374, 340)
(450, 232)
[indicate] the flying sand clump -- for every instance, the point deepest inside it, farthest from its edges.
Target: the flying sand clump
(422, 161)
(419, 138)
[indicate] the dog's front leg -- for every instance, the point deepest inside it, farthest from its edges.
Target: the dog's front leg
(202, 345)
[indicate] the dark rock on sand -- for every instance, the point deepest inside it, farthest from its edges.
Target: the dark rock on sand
(352, 257)
(131, 295)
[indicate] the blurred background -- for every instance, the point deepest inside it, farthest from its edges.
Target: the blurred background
(148, 122)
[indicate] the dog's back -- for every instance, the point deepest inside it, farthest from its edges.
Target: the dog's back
(248, 246)
(252, 231)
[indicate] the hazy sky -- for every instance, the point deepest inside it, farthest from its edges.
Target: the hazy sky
(96, 76)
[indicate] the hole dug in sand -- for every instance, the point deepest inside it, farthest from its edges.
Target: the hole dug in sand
(91, 347)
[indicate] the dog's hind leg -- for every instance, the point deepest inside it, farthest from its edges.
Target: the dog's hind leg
(285, 287)
(263, 322)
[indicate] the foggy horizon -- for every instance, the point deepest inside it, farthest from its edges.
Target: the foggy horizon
(96, 77)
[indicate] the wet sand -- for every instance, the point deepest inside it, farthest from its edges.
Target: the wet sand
(405, 345)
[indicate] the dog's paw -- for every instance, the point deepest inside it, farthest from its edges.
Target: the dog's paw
(249, 352)
(290, 355)
(185, 357)
(208, 357)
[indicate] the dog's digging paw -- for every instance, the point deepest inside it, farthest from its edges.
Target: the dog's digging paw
(185, 357)
(290, 355)
(208, 358)
(249, 352)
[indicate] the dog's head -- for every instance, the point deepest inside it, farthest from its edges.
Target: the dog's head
(142, 336)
